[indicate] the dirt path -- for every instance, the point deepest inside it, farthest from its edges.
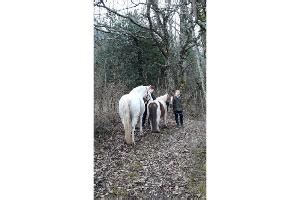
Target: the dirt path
(161, 165)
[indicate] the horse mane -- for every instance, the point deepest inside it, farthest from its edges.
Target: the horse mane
(140, 90)
(165, 98)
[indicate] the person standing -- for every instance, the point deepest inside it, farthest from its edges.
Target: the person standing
(151, 90)
(178, 109)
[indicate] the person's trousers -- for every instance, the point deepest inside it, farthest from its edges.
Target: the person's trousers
(178, 114)
(144, 116)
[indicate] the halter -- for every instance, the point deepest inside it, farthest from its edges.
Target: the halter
(148, 97)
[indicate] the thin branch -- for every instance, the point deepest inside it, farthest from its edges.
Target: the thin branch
(126, 17)
(119, 31)
(158, 44)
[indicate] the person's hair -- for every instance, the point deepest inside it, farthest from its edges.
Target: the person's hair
(152, 87)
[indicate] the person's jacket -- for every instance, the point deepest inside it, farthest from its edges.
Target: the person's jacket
(153, 97)
(177, 106)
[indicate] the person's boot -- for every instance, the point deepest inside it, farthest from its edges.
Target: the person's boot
(177, 126)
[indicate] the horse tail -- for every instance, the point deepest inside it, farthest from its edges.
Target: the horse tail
(153, 116)
(126, 119)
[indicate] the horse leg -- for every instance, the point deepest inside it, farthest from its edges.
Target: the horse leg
(141, 125)
(148, 121)
(134, 122)
(157, 122)
(165, 119)
(143, 116)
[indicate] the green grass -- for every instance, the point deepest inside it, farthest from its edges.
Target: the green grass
(196, 178)
(136, 166)
(119, 191)
(202, 187)
(133, 174)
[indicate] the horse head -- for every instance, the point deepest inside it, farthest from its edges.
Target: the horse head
(169, 98)
(147, 97)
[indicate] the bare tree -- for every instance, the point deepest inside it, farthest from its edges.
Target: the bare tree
(156, 20)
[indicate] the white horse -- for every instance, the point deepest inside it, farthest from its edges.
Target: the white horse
(158, 109)
(131, 109)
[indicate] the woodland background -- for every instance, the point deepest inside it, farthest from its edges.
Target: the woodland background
(156, 42)
(162, 43)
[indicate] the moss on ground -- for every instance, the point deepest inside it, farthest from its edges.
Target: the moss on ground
(196, 178)
(118, 191)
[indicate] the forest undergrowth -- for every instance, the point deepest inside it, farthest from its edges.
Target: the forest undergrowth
(170, 164)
